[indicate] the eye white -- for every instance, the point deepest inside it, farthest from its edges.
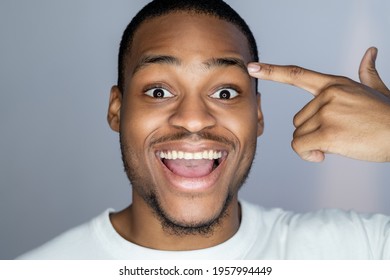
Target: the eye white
(224, 93)
(158, 93)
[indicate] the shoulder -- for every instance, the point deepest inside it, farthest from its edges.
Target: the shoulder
(322, 234)
(77, 243)
(338, 234)
(334, 219)
(333, 233)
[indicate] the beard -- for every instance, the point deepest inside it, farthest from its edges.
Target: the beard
(173, 227)
(145, 188)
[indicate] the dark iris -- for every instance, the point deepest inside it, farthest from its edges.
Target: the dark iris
(158, 93)
(224, 94)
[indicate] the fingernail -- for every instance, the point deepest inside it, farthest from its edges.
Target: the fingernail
(253, 68)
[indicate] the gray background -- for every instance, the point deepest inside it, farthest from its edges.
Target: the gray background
(59, 161)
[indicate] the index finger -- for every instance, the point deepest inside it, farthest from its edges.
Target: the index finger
(312, 81)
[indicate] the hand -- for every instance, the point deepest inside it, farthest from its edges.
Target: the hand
(345, 117)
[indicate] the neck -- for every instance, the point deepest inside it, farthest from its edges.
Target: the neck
(140, 225)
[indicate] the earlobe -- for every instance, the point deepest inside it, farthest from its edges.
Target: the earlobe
(260, 118)
(114, 108)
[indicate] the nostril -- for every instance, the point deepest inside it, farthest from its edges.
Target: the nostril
(192, 117)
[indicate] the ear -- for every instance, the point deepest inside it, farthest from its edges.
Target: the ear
(114, 109)
(260, 118)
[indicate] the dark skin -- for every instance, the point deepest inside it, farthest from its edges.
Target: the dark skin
(345, 117)
(185, 57)
(192, 67)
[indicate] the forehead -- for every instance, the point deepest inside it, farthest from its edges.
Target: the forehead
(190, 37)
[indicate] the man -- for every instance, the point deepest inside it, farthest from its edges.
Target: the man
(188, 113)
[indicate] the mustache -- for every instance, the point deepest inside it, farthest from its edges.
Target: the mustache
(202, 135)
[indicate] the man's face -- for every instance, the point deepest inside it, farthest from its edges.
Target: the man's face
(189, 116)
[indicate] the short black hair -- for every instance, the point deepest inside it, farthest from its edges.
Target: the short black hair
(156, 8)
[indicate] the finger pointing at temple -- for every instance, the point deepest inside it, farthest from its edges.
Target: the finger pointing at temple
(313, 82)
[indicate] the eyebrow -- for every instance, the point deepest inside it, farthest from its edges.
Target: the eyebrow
(225, 62)
(171, 60)
(156, 59)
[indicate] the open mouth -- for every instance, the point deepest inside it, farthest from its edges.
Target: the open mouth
(192, 165)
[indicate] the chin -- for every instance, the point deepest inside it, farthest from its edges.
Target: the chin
(195, 215)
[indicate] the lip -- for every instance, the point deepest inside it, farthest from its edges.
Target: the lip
(185, 184)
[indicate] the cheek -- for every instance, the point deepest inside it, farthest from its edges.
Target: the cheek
(141, 124)
(137, 123)
(242, 123)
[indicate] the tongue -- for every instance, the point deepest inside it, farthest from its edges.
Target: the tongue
(190, 168)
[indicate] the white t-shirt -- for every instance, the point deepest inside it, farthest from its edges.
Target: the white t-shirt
(263, 234)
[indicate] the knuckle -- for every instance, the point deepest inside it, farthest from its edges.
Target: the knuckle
(296, 71)
(270, 69)
(338, 84)
(296, 121)
(298, 143)
(371, 71)
(343, 80)
(325, 113)
(295, 145)
(334, 91)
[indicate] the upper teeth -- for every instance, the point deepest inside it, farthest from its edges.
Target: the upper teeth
(185, 155)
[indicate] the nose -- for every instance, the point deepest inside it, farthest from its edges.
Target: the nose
(193, 115)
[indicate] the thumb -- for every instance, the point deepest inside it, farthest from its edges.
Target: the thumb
(368, 74)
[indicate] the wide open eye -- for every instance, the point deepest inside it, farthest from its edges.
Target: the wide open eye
(225, 93)
(159, 93)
